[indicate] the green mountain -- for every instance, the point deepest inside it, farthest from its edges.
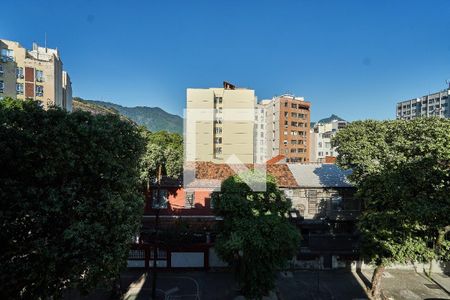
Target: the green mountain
(154, 118)
(330, 119)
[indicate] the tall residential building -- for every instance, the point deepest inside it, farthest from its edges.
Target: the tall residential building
(260, 143)
(287, 128)
(220, 124)
(34, 74)
(431, 105)
(321, 136)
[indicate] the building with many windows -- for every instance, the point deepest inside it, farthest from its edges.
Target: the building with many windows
(287, 128)
(220, 124)
(34, 74)
(431, 105)
(321, 136)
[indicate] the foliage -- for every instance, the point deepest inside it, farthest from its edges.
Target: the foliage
(70, 199)
(255, 235)
(153, 118)
(402, 172)
(163, 149)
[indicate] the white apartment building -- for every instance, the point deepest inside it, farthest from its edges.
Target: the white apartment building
(220, 124)
(431, 105)
(260, 151)
(321, 135)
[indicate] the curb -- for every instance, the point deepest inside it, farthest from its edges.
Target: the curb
(440, 285)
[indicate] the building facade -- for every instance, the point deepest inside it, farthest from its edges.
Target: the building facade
(431, 105)
(34, 74)
(321, 135)
(220, 124)
(325, 211)
(287, 128)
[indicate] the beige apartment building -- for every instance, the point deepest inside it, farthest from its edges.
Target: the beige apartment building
(34, 74)
(220, 124)
(287, 124)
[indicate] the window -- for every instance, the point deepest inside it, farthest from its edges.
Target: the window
(218, 150)
(136, 254)
(39, 90)
(19, 73)
(162, 201)
(336, 202)
(161, 254)
(312, 201)
(218, 130)
(294, 105)
(39, 76)
(1, 70)
(218, 140)
(19, 88)
(2, 86)
(189, 200)
(7, 55)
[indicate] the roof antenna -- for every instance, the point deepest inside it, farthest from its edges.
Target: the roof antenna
(448, 83)
(45, 42)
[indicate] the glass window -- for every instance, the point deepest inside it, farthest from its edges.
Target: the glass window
(2, 86)
(39, 76)
(7, 55)
(189, 200)
(19, 72)
(19, 88)
(1, 70)
(312, 201)
(336, 202)
(39, 90)
(163, 198)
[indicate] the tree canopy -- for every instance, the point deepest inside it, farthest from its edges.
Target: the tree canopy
(163, 149)
(70, 198)
(255, 235)
(402, 172)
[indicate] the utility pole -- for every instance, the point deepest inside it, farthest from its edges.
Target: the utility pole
(155, 244)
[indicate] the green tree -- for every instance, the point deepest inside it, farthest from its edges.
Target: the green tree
(70, 199)
(402, 172)
(163, 149)
(255, 236)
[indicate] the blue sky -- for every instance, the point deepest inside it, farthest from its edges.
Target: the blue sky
(352, 58)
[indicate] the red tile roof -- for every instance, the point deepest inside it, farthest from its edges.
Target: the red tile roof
(211, 171)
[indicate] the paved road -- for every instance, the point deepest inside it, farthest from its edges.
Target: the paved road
(320, 285)
(180, 285)
(408, 285)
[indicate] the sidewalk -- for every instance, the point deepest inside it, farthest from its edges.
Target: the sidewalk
(442, 280)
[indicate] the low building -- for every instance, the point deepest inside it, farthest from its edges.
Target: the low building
(325, 211)
(186, 217)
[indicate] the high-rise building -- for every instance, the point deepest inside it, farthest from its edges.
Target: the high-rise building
(34, 74)
(321, 136)
(260, 143)
(220, 124)
(287, 128)
(431, 105)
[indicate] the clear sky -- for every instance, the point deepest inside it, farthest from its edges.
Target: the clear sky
(352, 58)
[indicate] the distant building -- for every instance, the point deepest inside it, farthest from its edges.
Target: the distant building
(287, 128)
(431, 105)
(321, 135)
(220, 124)
(34, 74)
(260, 143)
